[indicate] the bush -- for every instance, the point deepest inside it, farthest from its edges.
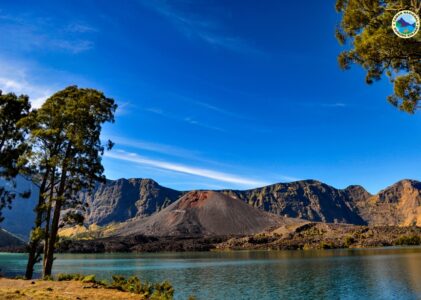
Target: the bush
(327, 245)
(68, 277)
(89, 279)
(159, 291)
(349, 240)
(259, 239)
(408, 240)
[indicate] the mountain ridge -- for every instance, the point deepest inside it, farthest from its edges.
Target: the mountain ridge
(120, 200)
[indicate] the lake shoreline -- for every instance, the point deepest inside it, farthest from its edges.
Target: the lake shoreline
(307, 236)
(254, 274)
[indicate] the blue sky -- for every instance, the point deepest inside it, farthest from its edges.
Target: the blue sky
(215, 94)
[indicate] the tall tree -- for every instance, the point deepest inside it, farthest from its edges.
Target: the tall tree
(65, 133)
(367, 27)
(12, 142)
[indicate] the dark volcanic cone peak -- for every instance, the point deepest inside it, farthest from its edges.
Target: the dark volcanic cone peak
(194, 199)
(206, 213)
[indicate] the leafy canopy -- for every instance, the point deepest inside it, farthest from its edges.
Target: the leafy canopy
(367, 26)
(12, 142)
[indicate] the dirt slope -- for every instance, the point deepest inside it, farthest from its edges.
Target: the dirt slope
(205, 213)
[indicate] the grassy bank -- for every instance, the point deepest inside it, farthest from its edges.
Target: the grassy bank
(76, 286)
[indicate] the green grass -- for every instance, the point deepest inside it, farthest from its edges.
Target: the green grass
(156, 291)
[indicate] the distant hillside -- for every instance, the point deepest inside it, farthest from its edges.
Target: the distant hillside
(399, 204)
(205, 213)
(9, 240)
(20, 219)
(122, 199)
(308, 199)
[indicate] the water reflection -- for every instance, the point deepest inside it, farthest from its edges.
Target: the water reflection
(392, 273)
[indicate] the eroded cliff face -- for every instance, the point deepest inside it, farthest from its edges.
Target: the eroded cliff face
(397, 205)
(118, 201)
(122, 199)
(308, 199)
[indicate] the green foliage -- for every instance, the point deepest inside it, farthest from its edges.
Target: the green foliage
(67, 157)
(367, 26)
(349, 240)
(327, 245)
(408, 240)
(69, 277)
(12, 142)
(158, 291)
(260, 238)
(89, 279)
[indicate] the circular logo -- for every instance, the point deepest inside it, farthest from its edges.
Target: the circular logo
(406, 24)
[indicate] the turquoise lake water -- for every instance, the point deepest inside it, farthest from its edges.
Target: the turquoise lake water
(389, 273)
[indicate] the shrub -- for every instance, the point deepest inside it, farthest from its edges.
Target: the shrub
(89, 279)
(408, 240)
(349, 240)
(259, 239)
(327, 245)
(68, 277)
(159, 291)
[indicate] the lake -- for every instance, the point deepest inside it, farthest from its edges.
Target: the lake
(387, 273)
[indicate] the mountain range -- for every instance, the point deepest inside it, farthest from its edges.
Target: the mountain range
(143, 206)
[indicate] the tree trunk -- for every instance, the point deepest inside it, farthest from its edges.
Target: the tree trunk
(49, 255)
(48, 215)
(33, 255)
(49, 258)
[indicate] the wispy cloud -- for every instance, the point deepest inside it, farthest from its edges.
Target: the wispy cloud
(187, 119)
(337, 104)
(26, 32)
(14, 78)
(39, 83)
(193, 25)
(185, 169)
(153, 147)
(203, 125)
(165, 149)
(318, 104)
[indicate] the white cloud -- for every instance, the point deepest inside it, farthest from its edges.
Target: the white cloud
(39, 83)
(153, 147)
(14, 78)
(185, 169)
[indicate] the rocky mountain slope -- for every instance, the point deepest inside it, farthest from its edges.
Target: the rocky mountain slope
(397, 205)
(20, 219)
(204, 213)
(9, 240)
(308, 199)
(123, 199)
